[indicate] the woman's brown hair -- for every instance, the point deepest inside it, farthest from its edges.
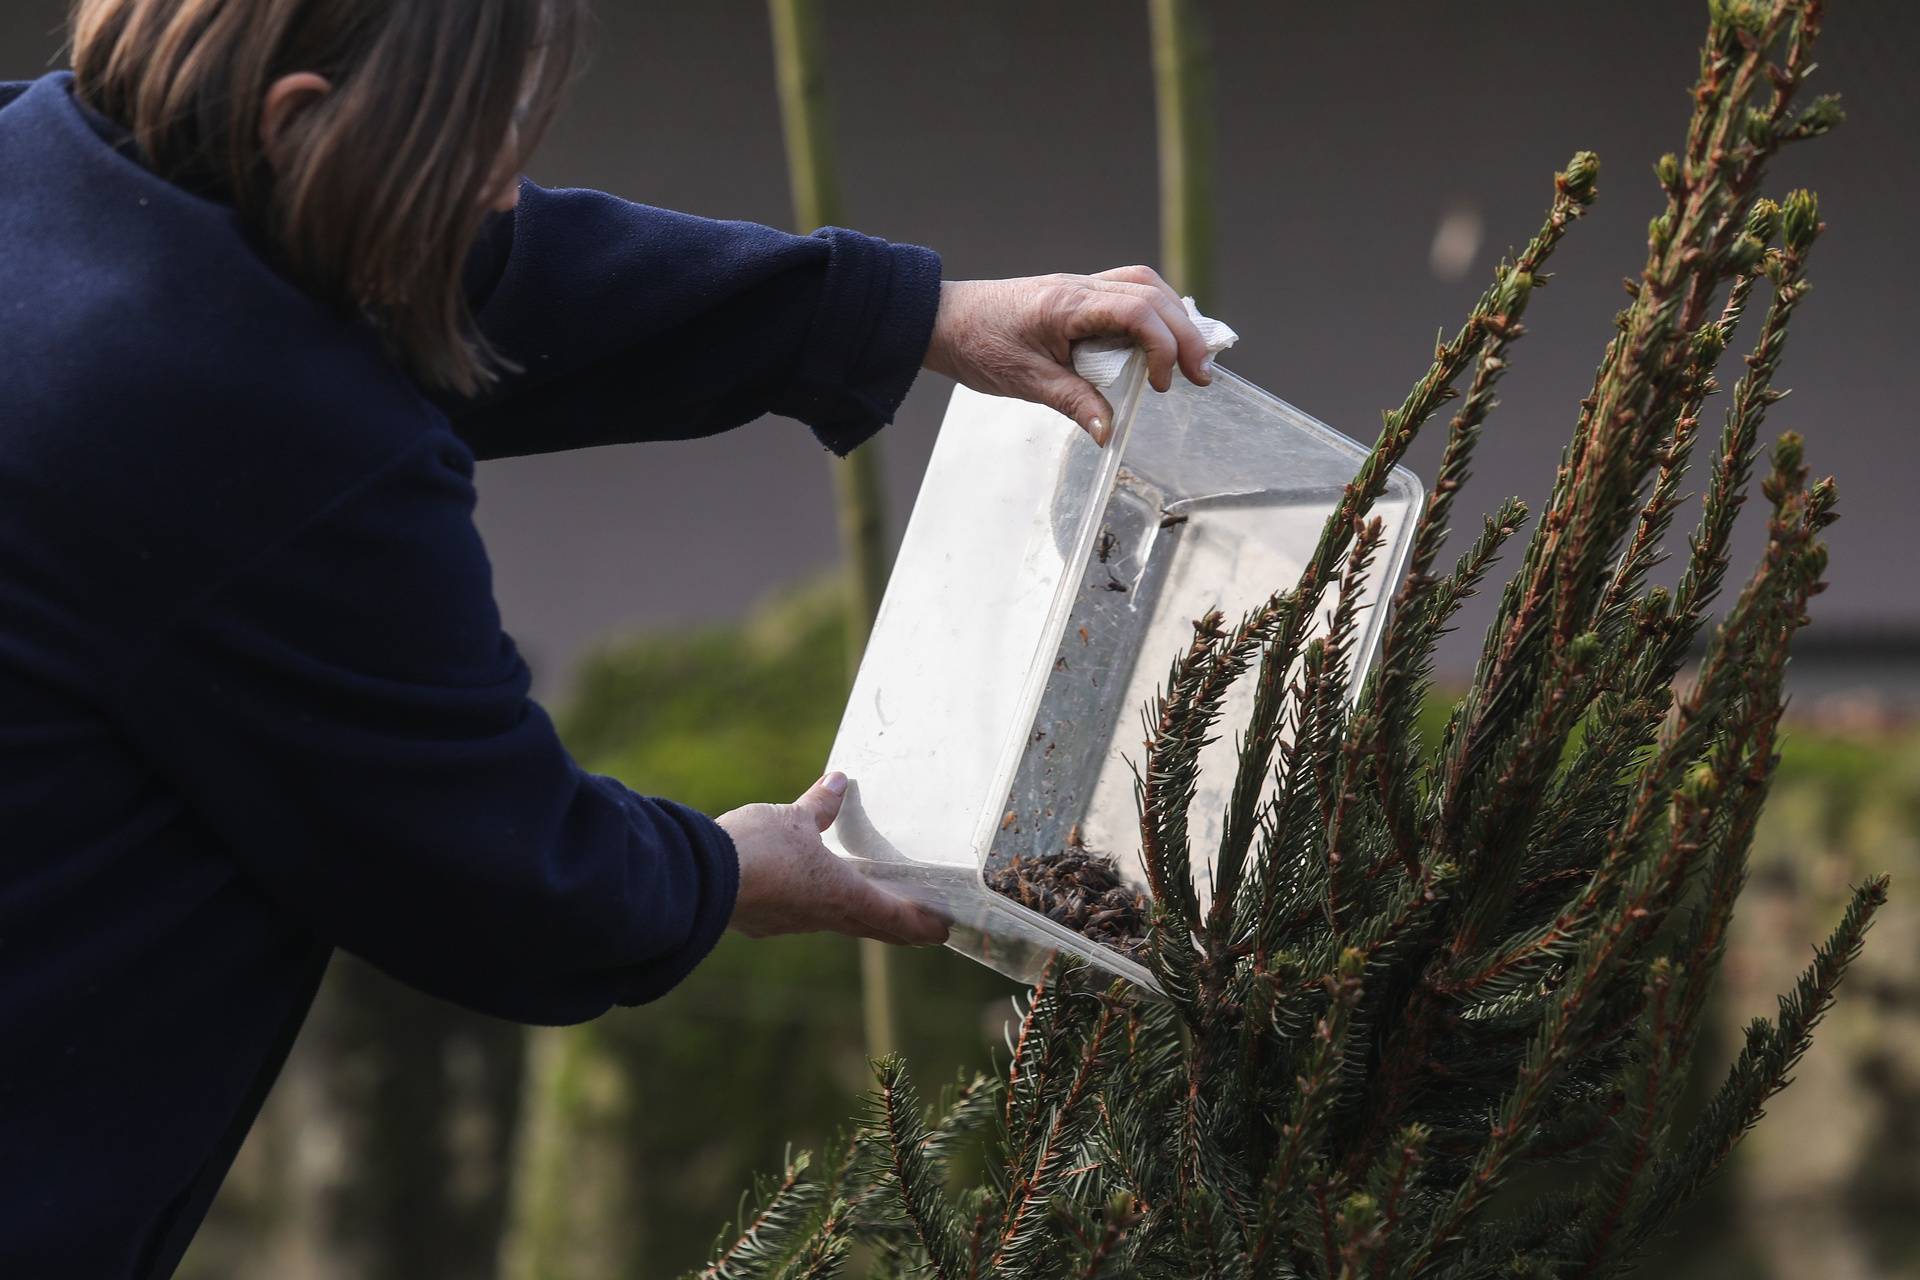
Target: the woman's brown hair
(379, 188)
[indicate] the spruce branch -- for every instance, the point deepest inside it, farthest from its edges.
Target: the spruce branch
(1179, 723)
(1302, 1134)
(1266, 725)
(1765, 1066)
(1394, 711)
(1657, 515)
(1753, 394)
(917, 1181)
(1098, 1256)
(1021, 1233)
(1051, 1028)
(1652, 646)
(966, 1111)
(1344, 757)
(1411, 606)
(773, 1233)
(825, 1253)
(1650, 1084)
(1642, 375)
(1780, 585)
(1390, 1185)
(1786, 577)
(1166, 800)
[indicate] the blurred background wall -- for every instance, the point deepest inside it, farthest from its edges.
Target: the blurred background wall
(1374, 158)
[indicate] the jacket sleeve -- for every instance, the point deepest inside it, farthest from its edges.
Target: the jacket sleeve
(348, 718)
(623, 322)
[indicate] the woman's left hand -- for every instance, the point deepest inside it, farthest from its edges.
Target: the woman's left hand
(1014, 337)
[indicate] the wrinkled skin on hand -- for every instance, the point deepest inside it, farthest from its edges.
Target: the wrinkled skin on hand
(1015, 337)
(791, 883)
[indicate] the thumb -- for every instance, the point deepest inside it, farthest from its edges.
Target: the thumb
(1065, 391)
(821, 801)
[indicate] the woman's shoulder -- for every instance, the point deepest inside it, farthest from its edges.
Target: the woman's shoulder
(173, 412)
(161, 377)
(125, 288)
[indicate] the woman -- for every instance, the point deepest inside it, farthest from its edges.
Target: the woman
(272, 285)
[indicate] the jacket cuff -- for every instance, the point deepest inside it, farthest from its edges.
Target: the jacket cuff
(719, 867)
(870, 331)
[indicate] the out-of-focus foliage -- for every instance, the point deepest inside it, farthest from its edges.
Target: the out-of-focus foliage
(640, 1128)
(718, 716)
(1830, 1184)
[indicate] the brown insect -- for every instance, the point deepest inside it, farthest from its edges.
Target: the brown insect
(1106, 544)
(1080, 889)
(1169, 521)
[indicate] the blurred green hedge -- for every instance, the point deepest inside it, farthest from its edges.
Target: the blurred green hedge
(643, 1127)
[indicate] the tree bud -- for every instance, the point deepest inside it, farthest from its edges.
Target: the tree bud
(1822, 115)
(1789, 453)
(1700, 785)
(1514, 288)
(1744, 254)
(1800, 219)
(1660, 233)
(1581, 176)
(1763, 220)
(1709, 344)
(1584, 651)
(1728, 17)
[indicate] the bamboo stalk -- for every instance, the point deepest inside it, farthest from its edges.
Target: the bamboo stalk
(1183, 92)
(800, 69)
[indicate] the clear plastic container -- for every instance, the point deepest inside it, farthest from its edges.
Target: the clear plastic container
(1042, 590)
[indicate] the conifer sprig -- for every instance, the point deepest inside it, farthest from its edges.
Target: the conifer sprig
(777, 1229)
(917, 1181)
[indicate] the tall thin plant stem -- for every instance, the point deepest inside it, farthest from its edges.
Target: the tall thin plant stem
(1183, 90)
(800, 68)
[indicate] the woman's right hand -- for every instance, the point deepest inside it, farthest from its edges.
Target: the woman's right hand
(791, 883)
(1015, 337)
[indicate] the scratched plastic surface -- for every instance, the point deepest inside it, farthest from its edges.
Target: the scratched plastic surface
(1042, 590)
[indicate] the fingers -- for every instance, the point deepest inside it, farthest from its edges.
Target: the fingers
(863, 909)
(1140, 275)
(844, 900)
(1146, 283)
(821, 801)
(1064, 391)
(875, 913)
(1124, 311)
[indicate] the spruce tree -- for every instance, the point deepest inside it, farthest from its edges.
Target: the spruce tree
(1439, 1012)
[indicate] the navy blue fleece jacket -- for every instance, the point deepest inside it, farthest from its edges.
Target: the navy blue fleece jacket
(255, 698)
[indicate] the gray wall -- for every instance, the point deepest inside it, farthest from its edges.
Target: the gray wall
(1017, 138)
